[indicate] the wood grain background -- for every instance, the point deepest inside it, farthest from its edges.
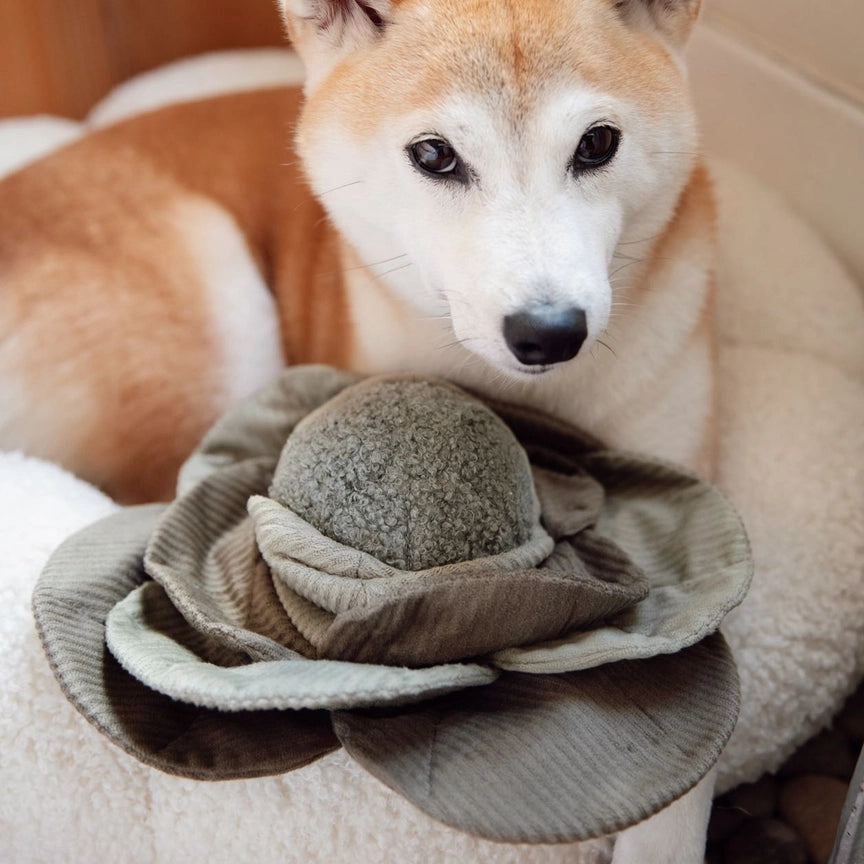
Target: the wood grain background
(61, 56)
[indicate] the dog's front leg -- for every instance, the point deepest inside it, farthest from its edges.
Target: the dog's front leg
(675, 835)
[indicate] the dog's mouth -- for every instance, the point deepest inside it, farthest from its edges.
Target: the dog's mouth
(535, 371)
(504, 362)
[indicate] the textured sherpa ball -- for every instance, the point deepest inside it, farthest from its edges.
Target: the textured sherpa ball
(415, 472)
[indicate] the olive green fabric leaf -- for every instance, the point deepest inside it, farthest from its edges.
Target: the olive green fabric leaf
(569, 503)
(156, 645)
(351, 606)
(472, 616)
(203, 553)
(84, 579)
(556, 758)
(286, 538)
(692, 546)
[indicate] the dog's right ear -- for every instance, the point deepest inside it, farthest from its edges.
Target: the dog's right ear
(673, 18)
(322, 31)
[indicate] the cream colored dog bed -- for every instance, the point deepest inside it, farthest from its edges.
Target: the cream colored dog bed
(792, 459)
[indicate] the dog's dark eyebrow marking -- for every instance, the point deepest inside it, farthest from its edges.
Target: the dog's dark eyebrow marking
(332, 12)
(667, 5)
(372, 15)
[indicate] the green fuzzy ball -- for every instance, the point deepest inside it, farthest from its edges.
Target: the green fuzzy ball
(415, 472)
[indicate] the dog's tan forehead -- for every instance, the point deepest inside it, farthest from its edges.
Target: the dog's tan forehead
(513, 49)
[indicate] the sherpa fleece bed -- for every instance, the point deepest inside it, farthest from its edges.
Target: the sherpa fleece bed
(792, 459)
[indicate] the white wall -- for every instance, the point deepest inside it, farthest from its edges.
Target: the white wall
(779, 85)
(821, 37)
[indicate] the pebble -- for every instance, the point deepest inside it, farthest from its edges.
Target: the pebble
(829, 753)
(851, 717)
(783, 818)
(725, 820)
(714, 856)
(757, 799)
(812, 805)
(765, 841)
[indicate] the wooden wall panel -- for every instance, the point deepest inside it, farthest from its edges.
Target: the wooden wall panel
(61, 56)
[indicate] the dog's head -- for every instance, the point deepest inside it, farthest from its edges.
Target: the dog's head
(497, 153)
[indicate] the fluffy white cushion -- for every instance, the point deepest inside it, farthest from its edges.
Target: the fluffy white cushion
(792, 458)
(27, 139)
(197, 78)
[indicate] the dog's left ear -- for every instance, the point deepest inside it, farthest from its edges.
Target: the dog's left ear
(674, 18)
(324, 30)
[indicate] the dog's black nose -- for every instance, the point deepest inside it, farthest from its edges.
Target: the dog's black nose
(546, 334)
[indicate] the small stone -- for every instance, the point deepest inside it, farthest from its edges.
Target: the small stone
(714, 855)
(765, 841)
(812, 805)
(851, 717)
(757, 799)
(725, 819)
(828, 753)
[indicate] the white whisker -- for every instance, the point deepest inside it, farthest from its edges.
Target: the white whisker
(337, 188)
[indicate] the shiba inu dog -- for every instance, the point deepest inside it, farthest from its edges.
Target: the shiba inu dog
(507, 193)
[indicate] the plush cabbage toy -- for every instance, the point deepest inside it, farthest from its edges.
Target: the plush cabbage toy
(498, 617)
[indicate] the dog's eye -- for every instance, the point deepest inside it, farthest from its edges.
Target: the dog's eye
(597, 147)
(435, 156)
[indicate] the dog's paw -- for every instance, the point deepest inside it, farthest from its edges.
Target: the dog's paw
(597, 851)
(675, 835)
(658, 849)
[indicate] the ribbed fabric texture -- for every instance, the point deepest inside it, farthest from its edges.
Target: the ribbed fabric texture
(85, 578)
(158, 647)
(686, 538)
(537, 758)
(351, 607)
(241, 607)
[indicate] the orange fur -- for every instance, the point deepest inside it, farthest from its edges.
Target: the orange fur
(118, 347)
(699, 197)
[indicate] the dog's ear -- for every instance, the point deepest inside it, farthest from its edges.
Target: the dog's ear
(323, 30)
(674, 18)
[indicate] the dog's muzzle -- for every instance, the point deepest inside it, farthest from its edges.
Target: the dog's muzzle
(545, 335)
